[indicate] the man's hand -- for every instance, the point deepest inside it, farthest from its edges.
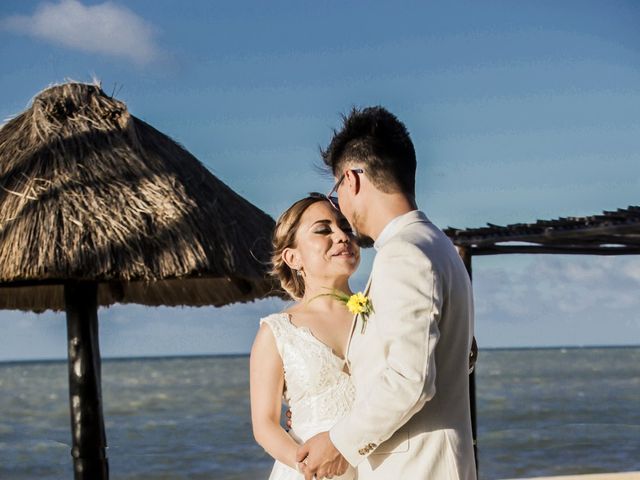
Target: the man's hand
(473, 355)
(288, 422)
(321, 458)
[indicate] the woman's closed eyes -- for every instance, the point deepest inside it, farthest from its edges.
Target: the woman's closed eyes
(326, 230)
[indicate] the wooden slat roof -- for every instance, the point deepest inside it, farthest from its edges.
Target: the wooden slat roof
(610, 233)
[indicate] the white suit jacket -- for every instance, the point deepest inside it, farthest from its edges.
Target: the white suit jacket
(411, 416)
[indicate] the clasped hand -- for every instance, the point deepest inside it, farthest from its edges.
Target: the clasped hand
(318, 456)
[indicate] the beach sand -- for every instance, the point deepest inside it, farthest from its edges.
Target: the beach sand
(593, 476)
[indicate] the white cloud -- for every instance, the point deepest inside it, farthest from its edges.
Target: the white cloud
(559, 289)
(106, 29)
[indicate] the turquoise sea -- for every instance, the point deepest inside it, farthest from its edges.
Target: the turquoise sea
(540, 412)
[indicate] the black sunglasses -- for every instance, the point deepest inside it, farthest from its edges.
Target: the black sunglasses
(333, 200)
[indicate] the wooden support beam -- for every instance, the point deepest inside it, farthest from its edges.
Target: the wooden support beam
(613, 233)
(85, 392)
(586, 241)
(546, 249)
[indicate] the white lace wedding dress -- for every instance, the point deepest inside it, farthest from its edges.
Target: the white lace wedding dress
(317, 389)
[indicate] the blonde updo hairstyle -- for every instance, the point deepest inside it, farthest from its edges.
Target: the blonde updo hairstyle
(284, 236)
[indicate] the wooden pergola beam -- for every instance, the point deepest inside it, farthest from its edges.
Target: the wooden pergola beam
(617, 228)
(549, 249)
(557, 235)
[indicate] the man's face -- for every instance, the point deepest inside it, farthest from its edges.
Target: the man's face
(348, 205)
(342, 193)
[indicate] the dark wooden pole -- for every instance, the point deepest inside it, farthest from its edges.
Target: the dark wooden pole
(465, 254)
(85, 393)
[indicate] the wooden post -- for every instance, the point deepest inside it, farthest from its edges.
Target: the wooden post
(465, 254)
(85, 392)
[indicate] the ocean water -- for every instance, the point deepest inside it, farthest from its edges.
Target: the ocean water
(540, 412)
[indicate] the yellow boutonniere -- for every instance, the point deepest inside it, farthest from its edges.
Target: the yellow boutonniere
(358, 304)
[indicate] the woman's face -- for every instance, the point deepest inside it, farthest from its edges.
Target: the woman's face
(324, 244)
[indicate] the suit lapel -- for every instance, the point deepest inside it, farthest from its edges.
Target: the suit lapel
(409, 218)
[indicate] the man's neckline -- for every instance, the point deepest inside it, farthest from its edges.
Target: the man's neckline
(390, 229)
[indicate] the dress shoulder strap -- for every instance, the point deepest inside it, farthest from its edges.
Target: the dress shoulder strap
(280, 327)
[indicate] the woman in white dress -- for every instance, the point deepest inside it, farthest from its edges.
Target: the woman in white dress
(299, 354)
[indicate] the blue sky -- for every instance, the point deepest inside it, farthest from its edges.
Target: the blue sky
(518, 111)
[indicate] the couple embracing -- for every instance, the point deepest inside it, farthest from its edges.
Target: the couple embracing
(380, 393)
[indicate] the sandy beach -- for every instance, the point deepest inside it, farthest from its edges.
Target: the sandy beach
(594, 476)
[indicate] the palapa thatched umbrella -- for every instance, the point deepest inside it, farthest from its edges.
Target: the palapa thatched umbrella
(98, 207)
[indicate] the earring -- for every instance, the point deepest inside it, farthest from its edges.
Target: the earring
(299, 272)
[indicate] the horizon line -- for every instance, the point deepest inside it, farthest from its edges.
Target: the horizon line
(246, 354)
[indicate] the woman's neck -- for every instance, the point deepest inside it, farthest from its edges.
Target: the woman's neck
(318, 291)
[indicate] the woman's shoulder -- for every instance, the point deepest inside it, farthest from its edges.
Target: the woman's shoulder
(279, 327)
(278, 322)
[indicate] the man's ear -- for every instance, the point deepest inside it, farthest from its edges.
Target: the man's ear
(352, 180)
(291, 258)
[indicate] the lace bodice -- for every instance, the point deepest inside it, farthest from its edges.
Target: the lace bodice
(317, 389)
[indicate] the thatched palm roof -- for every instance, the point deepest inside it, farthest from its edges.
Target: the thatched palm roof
(90, 192)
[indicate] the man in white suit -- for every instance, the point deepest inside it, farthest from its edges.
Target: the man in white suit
(409, 358)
